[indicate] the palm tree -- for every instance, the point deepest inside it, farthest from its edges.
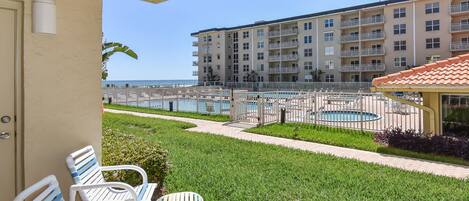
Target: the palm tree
(109, 49)
(317, 75)
(252, 76)
(211, 76)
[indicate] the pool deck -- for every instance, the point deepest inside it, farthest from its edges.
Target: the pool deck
(404, 163)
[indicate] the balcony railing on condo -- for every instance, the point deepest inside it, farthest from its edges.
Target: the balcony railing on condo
(195, 73)
(276, 70)
(195, 43)
(363, 68)
(372, 20)
(459, 46)
(349, 23)
(458, 8)
(195, 53)
(285, 32)
(349, 38)
(372, 52)
(350, 53)
(458, 27)
(372, 36)
(290, 57)
(291, 44)
(195, 63)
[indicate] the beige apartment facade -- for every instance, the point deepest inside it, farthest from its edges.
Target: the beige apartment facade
(355, 44)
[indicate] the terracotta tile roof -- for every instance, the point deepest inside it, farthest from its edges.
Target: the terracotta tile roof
(453, 72)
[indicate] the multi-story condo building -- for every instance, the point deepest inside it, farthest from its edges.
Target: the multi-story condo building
(354, 44)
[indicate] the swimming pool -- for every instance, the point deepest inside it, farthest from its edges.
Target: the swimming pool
(345, 116)
(187, 105)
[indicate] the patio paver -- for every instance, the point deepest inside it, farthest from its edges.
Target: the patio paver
(410, 164)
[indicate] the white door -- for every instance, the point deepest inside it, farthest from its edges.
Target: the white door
(8, 61)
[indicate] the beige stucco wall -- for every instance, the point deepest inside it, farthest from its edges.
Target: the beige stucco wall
(62, 108)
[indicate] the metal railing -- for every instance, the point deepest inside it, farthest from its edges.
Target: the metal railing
(363, 68)
(349, 23)
(298, 86)
(458, 8)
(458, 27)
(195, 53)
(372, 52)
(283, 70)
(350, 53)
(372, 20)
(195, 73)
(372, 36)
(283, 45)
(290, 57)
(195, 63)
(349, 38)
(459, 46)
(195, 43)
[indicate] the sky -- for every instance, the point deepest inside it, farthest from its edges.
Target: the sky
(160, 33)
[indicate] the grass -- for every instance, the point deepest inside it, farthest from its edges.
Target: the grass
(221, 168)
(193, 115)
(344, 138)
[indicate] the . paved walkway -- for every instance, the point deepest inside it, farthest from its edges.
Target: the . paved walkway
(418, 165)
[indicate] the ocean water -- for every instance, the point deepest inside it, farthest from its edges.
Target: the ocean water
(152, 83)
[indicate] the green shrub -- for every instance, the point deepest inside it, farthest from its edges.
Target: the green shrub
(122, 149)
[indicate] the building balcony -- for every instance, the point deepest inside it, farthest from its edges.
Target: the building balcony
(278, 70)
(372, 20)
(283, 45)
(290, 57)
(363, 68)
(373, 52)
(350, 53)
(349, 38)
(195, 73)
(349, 23)
(459, 27)
(195, 53)
(458, 9)
(195, 43)
(372, 36)
(195, 63)
(459, 46)
(285, 32)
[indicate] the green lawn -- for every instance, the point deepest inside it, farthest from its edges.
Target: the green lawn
(212, 117)
(221, 168)
(343, 138)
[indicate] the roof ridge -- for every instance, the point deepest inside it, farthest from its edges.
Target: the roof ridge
(420, 69)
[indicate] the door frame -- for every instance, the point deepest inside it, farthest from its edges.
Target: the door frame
(18, 7)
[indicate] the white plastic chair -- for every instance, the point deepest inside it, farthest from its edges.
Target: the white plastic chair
(51, 191)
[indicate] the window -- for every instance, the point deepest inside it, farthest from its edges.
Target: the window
(454, 114)
(260, 56)
(400, 29)
(328, 23)
(432, 43)
(432, 8)
(245, 57)
(209, 59)
(308, 39)
(260, 33)
(245, 46)
(308, 26)
(245, 68)
(329, 51)
(329, 78)
(308, 65)
(400, 45)
(245, 78)
(235, 47)
(260, 67)
(235, 58)
(218, 67)
(218, 56)
(329, 64)
(399, 13)
(205, 69)
(260, 45)
(209, 38)
(400, 62)
(246, 34)
(432, 25)
(355, 63)
(433, 59)
(308, 52)
(235, 69)
(235, 37)
(329, 36)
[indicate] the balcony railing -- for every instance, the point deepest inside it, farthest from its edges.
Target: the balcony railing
(459, 27)
(290, 57)
(349, 38)
(372, 36)
(349, 23)
(363, 68)
(372, 20)
(283, 45)
(195, 43)
(458, 8)
(372, 52)
(195, 63)
(195, 73)
(195, 53)
(276, 70)
(350, 53)
(285, 32)
(459, 46)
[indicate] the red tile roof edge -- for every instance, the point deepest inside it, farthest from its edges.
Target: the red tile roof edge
(421, 69)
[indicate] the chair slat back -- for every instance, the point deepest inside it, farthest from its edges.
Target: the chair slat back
(51, 191)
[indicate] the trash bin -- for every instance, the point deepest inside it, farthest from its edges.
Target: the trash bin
(171, 106)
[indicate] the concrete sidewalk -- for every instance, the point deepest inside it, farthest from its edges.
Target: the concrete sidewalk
(404, 163)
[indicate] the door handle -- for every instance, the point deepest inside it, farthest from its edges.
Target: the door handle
(4, 135)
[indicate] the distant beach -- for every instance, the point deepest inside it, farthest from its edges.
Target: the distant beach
(148, 83)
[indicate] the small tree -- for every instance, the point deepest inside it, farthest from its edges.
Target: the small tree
(252, 76)
(211, 76)
(316, 74)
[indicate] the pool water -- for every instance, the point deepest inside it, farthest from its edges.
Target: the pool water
(345, 116)
(187, 105)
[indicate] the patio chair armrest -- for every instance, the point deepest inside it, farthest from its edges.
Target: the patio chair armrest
(140, 170)
(78, 187)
